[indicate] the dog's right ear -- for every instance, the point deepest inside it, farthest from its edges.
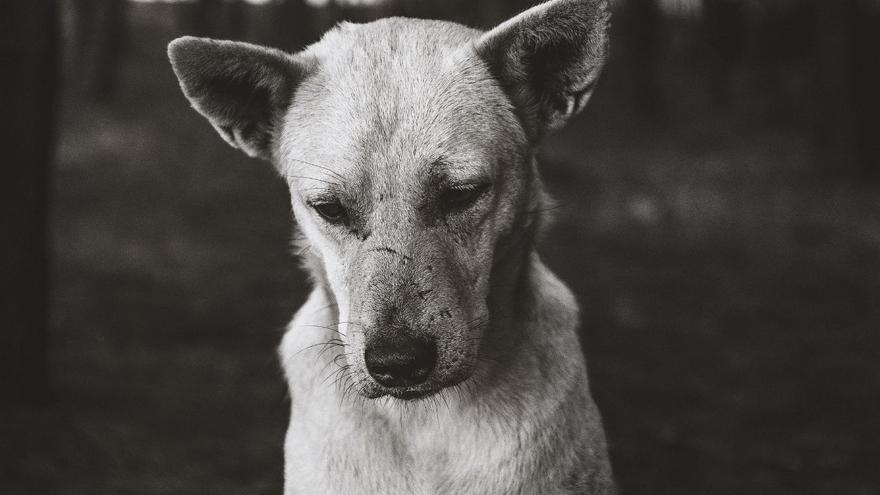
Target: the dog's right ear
(242, 89)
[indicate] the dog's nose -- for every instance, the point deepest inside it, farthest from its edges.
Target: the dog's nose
(400, 361)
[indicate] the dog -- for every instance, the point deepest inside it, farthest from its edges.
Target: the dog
(436, 352)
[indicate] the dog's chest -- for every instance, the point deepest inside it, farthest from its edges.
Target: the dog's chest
(429, 452)
(351, 445)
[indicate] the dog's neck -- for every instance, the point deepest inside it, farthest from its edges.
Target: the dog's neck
(519, 343)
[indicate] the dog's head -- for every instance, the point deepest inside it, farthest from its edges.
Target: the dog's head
(408, 147)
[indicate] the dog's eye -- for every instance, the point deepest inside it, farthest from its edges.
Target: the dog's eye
(459, 197)
(331, 211)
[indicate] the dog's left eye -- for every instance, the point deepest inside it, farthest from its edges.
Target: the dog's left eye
(458, 197)
(331, 211)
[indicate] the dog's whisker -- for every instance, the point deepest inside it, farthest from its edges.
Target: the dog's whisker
(336, 330)
(322, 351)
(442, 395)
(316, 179)
(335, 372)
(341, 373)
(328, 306)
(324, 327)
(353, 384)
(329, 170)
(342, 378)
(327, 363)
(327, 344)
(300, 160)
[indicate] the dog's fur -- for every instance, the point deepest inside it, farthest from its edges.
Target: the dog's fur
(422, 136)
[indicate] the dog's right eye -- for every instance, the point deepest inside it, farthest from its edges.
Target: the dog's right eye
(460, 197)
(331, 211)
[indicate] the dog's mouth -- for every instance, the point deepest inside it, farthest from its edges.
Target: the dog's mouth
(415, 394)
(402, 393)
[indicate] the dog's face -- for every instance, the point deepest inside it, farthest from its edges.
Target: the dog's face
(426, 173)
(407, 146)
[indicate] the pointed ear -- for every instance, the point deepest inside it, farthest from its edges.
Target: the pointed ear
(242, 89)
(548, 60)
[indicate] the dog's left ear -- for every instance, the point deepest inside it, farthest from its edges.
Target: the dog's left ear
(548, 60)
(242, 89)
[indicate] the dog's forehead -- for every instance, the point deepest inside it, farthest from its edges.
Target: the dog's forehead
(398, 93)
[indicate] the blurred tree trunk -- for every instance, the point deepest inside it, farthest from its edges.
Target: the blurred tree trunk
(213, 18)
(100, 33)
(647, 26)
(234, 17)
(866, 87)
(835, 104)
(197, 18)
(28, 55)
(725, 24)
(290, 25)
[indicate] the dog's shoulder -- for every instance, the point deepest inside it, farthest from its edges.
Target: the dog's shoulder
(554, 303)
(308, 327)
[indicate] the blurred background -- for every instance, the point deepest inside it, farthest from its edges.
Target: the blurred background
(719, 222)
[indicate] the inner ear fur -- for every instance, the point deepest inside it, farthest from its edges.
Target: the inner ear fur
(548, 60)
(242, 89)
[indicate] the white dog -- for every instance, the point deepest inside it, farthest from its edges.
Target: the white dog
(436, 353)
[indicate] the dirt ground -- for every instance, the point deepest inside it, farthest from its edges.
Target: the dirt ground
(730, 298)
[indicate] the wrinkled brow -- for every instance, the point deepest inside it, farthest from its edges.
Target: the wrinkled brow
(447, 172)
(316, 179)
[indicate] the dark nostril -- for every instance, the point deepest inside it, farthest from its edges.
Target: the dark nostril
(400, 361)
